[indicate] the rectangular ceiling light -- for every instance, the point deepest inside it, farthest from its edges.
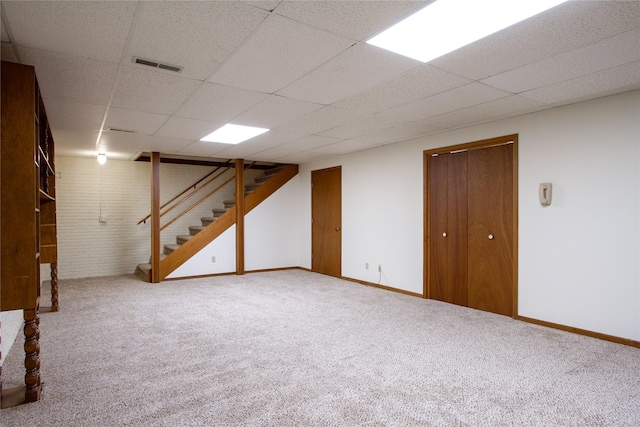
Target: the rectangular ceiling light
(447, 25)
(233, 134)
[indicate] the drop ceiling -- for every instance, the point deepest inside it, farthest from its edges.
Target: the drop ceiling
(300, 68)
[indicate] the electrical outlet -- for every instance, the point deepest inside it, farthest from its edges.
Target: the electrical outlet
(366, 265)
(380, 268)
(102, 218)
(213, 259)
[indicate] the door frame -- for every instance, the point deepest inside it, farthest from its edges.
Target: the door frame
(485, 143)
(313, 236)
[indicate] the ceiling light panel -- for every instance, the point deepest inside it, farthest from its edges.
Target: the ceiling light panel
(447, 25)
(233, 134)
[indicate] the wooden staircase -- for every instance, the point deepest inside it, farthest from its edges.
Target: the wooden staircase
(213, 226)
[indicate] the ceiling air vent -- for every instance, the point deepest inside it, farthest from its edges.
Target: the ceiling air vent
(155, 64)
(121, 130)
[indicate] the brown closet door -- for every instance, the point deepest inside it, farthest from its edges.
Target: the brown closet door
(326, 218)
(448, 214)
(490, 219)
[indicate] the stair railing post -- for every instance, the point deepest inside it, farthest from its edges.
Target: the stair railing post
(239, 166)
(155, 217)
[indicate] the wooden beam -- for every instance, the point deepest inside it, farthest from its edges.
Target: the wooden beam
(239, 216)
(155, 217)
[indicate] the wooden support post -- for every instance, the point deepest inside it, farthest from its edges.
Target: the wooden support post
(239, 164)
(155, 217)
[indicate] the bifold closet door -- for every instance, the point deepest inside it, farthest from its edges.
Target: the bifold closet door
(490, 229)
(448, 216)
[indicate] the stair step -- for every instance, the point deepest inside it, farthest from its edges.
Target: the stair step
(195, 229)
(251, 187)
(142, 271)
(168, 249)
(183, 238)
(206, 220)
(262, 179)
(229, 203)
(218, 212)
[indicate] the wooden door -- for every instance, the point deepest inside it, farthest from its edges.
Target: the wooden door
(490, 240)
(326, 221)
(448, 228)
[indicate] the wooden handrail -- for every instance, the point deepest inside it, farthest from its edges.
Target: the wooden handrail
(192, 186)
(202, 199)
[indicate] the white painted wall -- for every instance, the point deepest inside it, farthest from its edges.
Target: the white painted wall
(578, 258)
(11, 325)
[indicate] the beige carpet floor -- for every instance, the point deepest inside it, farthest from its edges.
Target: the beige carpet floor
(294, 348)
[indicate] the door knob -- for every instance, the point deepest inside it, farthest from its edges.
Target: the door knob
(337, 228)
(490, 236)
(444, 234)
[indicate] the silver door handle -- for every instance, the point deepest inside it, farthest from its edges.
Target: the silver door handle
(337, 228)
(490, 236)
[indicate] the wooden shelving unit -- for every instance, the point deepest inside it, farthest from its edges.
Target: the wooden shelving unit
(27, 212)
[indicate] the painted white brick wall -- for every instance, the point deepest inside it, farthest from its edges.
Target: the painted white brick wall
(119, 190)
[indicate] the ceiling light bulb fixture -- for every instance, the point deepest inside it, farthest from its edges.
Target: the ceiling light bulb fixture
(102, 158)
(447, 25)
(233, 134)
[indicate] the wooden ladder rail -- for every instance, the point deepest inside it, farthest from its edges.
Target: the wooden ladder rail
(190, 187)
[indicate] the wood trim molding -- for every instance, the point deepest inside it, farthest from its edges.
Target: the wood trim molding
(383, 287)
(611, 338)
(484, 143)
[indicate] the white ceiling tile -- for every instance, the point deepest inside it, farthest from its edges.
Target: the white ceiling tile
(355, 69)
(563, 28)
(197, 36)
(360, 127)
(302, 157)
(343, 147)
(455, 99)
(270, 155)
(273, 138)
(74, 142)
(615, 80)
(96, 30)
(486, 112)
(310, 142)
(163, 144)
(4, 35)
(202, 148)
(274, 111)
(267, 5)
(73, 115)
(219, 103)
(240, 151)
(354, 19)
(70, 78)
(281, 51)
(417, 83)
(122, 142)
(137, 121)
(399, 133)
(179, 127)
(614, 51)
(7, 53)
(151, 91)
(320, 120)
